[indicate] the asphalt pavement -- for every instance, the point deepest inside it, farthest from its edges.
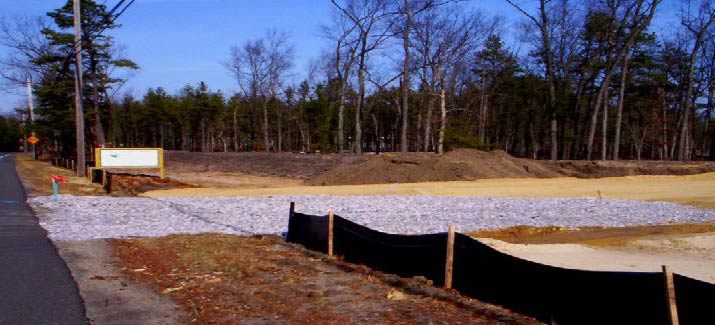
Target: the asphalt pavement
(36, 286)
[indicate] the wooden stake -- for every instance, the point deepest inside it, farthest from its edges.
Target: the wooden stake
(450, 258)
(670, 294)
(330, 233)
(292, 209)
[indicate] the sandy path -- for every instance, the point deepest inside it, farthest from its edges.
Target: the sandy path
(689, 255)
(697, 190)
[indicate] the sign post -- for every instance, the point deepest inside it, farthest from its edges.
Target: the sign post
(57, 179)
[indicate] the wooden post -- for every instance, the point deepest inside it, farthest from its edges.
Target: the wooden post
(161, 163)
(292, 209)
(104, 177)
(330, 233)
(450, 258)
(670, 294)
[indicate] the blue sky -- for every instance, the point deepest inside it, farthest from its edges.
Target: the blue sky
(179, 42)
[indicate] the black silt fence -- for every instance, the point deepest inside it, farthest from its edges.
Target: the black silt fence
(552, 294)
(695, 300)
(309, 231)
(404, 255)
(547, 293)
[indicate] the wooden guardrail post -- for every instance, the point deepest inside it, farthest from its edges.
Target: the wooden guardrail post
(450, 258)
(670, 295)
(330, 233)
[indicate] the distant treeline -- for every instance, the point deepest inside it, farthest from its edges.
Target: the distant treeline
(584, 80)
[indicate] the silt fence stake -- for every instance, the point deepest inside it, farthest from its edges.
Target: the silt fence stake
(330, 233)
(670, 294)
(450, 258)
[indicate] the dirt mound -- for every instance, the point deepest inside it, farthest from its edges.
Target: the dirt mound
(289, 165)
(124, 184)
(471, 164)
(599, 169)
(412, 167)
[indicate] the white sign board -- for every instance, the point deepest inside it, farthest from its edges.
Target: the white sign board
(129, 158)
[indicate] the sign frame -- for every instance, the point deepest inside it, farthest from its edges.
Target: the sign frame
(160, 154)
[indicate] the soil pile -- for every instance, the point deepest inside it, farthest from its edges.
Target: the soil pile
(456, 165)
(598, 169)
(471, 164)
(124, 184)
(289, 165)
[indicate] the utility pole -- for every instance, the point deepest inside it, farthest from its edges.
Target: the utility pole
(79, 111)
(32, 114)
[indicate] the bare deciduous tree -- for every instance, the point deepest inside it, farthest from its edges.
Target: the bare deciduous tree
(371, 19)
(697, 24)
(260, 66)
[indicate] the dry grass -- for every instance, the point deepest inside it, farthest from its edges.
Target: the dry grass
(35, 176)
(224, 279)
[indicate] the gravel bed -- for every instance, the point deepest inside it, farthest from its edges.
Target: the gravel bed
(83, 217)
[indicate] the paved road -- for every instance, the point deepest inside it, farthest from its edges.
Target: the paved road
(35, 284)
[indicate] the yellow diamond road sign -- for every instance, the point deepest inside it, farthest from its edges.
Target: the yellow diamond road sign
(33, 139)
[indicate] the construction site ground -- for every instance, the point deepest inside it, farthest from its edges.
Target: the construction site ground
(461, 173)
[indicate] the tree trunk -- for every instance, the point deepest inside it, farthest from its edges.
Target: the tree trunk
(707, 145)
(235, 128)
(98, 129)
(594, 117)
(280, 130)
(551, 79)
(404, 145)
(443, 120)
(358, 109)
(619, 111)
(604, 131)
(483, 109)
(265, 124)
(428, 123)
(341, 117)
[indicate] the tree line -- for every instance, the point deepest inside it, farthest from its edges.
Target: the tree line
(580, 80)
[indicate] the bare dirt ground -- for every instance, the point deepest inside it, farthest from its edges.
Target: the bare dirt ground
(223, 279)
(255, 169)
(284, 165)
(688, 249)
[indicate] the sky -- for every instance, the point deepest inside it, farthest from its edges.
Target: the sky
(180, 42)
